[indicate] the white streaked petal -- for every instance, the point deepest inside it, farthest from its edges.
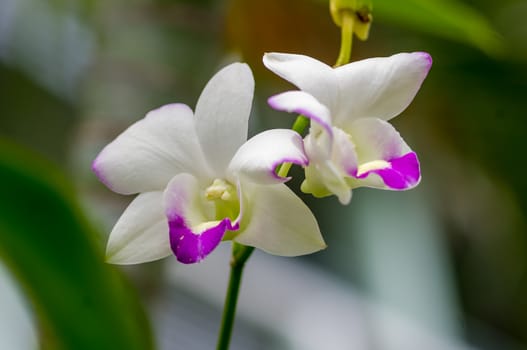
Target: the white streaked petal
(380, 87)
(280, 223)
(344, 155)
(329, 166)
(324, 179)
(376, 139)
(151, 151)
(183, 195)
(222, 114)
(302, 103)
(141, 233)
(258, 158)
(308, 74)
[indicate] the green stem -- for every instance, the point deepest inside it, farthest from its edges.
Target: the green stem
(346, 38)
(300, 124)
(240, 254)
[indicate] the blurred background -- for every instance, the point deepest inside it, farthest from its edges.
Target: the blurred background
(443, 266)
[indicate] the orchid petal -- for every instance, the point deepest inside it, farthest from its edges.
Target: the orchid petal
(344, 153)
(280, 223)
(258, 158)
(222, 114)
(308, 74)
(331, 161)
(151, 151)
(192, 234)
(324, 179)
(302, 103)
(141, 233)
(376, 139)
(380, 87)
(383, 152)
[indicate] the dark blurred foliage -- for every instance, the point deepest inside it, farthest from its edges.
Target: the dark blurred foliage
(468, 122)
(33, 116)
(81, 302)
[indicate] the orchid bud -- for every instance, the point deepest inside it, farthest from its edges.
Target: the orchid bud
(360, 10)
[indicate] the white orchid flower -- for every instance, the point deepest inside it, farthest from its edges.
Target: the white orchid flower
(200, 182)
(350, 142)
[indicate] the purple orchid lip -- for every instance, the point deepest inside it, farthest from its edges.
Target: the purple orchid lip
(189, 247)
(401, 174)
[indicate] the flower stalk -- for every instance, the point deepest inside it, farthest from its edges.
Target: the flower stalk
(240, 255)
(346, 39)
(240, 252)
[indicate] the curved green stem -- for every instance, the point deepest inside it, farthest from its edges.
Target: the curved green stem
(299, 126)
(346, 38)
(240, 254)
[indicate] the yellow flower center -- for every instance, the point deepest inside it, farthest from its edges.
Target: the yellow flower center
(225, 199)
(220, 189)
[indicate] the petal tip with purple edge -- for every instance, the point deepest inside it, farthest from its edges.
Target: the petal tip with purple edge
(190, 248)
(97, 170)
(304, 104)
(258, 158)
(427, 59)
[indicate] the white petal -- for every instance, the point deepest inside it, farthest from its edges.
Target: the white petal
(151, 151)
(222, 114)
(302, 103)
(344, 154)
(141, 233)
(380, 87)
(280, 223)
(258, 157)
(184, 196)
(308, 74)
(376, 139)
(324, 179)
(327, 171)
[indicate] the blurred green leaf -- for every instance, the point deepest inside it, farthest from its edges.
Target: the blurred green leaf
(446, 18)
(80, 301)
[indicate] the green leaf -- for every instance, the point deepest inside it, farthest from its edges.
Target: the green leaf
(447, 18)
(80, 301)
